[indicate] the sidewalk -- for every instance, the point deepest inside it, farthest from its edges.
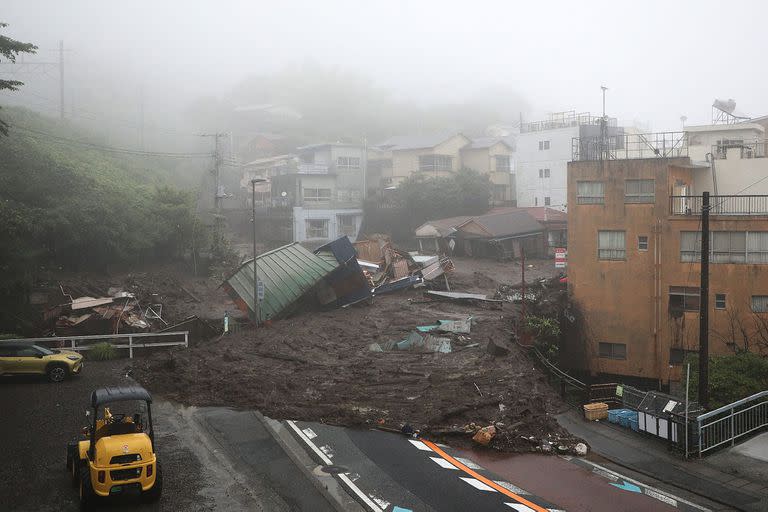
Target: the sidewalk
(729, 477)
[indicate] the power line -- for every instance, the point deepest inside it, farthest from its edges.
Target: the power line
(109, 149)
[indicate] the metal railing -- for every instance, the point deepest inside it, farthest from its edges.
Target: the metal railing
(720, 205)
(73, 342)
(630, 146)
(758, 149)
(565, 120)
(731, 422)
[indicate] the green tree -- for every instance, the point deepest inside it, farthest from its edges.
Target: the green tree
(10, 49)
(428, 197)
(731, 377)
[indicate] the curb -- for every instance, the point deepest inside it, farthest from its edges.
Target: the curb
(301, 464)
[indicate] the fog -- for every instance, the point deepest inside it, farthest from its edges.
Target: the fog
(660, 60)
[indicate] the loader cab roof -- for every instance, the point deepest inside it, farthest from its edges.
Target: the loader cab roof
(119, 394)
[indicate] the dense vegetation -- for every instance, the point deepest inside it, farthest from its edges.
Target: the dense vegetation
(420, 198)
(67, 206)
(731, 377)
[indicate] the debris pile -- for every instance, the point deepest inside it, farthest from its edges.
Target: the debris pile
(416, 358)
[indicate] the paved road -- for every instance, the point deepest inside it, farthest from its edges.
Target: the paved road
(213, 458)
(391, 472)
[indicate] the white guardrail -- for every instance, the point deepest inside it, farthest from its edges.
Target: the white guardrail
(730, 422)
(72, 342)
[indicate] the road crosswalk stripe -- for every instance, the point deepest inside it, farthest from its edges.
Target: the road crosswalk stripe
(477, 484)
(443, 463)
(420, 445)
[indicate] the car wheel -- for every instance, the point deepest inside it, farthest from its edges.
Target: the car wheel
(74, 471)
(156, 491)
(57, 373)
(87, 496)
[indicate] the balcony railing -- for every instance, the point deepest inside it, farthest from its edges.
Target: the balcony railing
(565, 120)
(313, 169)
(630, 146)
(719, 205)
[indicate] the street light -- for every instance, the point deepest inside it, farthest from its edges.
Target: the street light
(256, 311)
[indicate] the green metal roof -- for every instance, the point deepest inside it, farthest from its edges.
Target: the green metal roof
(288, 273)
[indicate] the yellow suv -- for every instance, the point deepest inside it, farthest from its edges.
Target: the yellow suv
(27, 359)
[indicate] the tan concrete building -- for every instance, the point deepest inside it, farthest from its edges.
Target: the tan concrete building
(442, 155)
(633, 267)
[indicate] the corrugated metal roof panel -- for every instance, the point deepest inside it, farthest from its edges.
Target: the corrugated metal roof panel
(288, 273)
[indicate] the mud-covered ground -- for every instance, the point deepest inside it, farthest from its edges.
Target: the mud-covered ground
(318, 366)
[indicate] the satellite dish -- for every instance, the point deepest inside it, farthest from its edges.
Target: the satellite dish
(283, 193)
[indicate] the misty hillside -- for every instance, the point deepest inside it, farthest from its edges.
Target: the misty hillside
(67, 201)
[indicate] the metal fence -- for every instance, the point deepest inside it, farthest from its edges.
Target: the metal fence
(630, 146)
(720, 205)
(747, 150)
(124, 341)
(725, 425)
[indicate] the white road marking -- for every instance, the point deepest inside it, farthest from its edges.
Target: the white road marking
(443, 463)
(380, 502)
(477, 484)
(344, 478)
(327, 450)
(470, 464)
(513, 488)
(520, 507)
(310, 433)
(365, 499)
(420, 445)
(309, 443)
(654, 493)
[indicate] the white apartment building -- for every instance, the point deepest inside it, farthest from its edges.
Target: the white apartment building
(544, 149)
(731, 158)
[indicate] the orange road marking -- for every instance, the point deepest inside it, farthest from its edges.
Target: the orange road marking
(483, 479)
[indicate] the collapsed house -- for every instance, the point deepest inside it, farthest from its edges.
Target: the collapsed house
(501, 233)
(334, 275)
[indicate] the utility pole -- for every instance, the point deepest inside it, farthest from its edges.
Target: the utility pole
(141, 116)
(61, 79)
(365, 169)
(704, 305)
(603, 126)
(256, 299)
(522, 297)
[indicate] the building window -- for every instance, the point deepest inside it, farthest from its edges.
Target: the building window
(690, 246)
(435, 163)
(348, 225)
(348, 194)
(503, 163)
(541, 173)
(543, 144)
(348, 162)
(719, 301)
(642, 243)
(726, 246)
(757, 247)
(546, 201)
(639, 191)
(590, 192)
(317, 228)
(546, 173)
(535, 201)
(611, 245)
(760, 303)
(317, 195)
(683, 298)
(613, 350)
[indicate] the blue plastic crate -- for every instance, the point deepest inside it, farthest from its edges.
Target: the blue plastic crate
(613, 416)
(626, 417)
(634, 424)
